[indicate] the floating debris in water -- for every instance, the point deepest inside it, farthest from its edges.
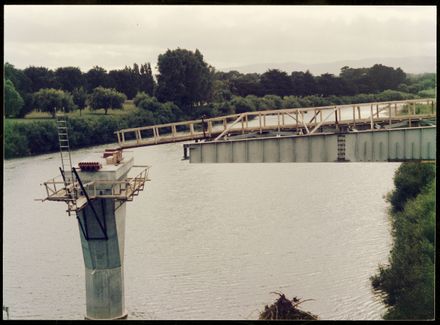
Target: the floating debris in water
(284, 308)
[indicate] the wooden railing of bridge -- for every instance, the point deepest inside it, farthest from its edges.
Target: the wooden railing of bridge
(304, 120)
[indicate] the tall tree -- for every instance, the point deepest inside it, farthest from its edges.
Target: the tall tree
(21, 82)
(13, 101)
(125, 81)
(276, 82)
(23, 86)
(69, 78)
(50, 100)
(384, 77)
(147, 83)
(245, 84)
(184, 78)
(106, 98)
(79, 97)
(328, 84)
(96, 77)
(297, 80)
(357, 80)
(310, 86)
(40, 77)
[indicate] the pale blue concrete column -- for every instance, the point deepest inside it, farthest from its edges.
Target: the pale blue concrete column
(104, 259)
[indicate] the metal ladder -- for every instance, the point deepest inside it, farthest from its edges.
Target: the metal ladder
(66, 160)
(341, 147)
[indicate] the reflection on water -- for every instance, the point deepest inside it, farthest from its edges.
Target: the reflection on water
(207, 241)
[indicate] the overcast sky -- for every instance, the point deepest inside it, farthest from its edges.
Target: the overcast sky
(227, 36)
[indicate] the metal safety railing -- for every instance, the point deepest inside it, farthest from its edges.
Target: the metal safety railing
(123, 190)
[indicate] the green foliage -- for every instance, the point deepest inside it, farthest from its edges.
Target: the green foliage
(96, 77)
(383, 77)
(139, 97)
(184, 78)
(205, 111)
(257, 102)
(224, 108)
(419, 109)
(409, 181)
(303, 83)
(162, 112)
(40, 77)
(49, 100)
(79, 96)
(408, 281)
(388, 95)
(291, 102)
(276, 82)
(69, 78)
(273, 101)
(21, 82)
(146, 80)
(106, 98)
(132, 80)
(15, 144)
(40, 136)
(327, 84)
(427, 93)
(245, 84)
(149, 104)
(13, 100)
(221, 91)
(241, 105)
(28, 105)
(417, 83)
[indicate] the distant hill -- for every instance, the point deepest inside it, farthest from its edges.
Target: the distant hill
(414, 64)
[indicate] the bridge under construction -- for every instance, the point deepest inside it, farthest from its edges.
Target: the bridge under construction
(381, 131)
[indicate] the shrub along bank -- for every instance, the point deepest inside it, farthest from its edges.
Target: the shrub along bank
(408, 280)
(40, 136)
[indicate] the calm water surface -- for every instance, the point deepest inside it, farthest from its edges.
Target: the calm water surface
(207, 241)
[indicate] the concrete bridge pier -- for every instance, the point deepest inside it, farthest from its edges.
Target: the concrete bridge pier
(102, 230)
(103, 251)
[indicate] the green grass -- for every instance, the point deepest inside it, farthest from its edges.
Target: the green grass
(128, 107)
(420, 109)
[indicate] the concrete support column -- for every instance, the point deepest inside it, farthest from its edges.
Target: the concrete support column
(102, 241)
(102, 231)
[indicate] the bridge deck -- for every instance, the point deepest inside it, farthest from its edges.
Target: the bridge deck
(300, 120)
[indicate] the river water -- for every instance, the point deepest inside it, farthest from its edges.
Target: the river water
(207, 241)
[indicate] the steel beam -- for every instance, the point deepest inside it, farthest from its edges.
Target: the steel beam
(403, 144)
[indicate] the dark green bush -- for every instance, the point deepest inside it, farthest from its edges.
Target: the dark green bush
(241, 105)
(409, 181)
(408, 280)
(38, 137)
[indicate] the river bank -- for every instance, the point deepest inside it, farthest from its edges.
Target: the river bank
(408, 279)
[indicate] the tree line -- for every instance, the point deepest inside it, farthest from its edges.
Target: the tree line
(40, 136)
(43, 89)
(186, 80)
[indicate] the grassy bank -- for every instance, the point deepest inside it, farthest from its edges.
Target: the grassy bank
(29, 137)
(408, 279)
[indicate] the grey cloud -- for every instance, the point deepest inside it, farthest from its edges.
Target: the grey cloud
(114, 36)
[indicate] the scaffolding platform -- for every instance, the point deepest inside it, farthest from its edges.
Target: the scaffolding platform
(108, 183)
